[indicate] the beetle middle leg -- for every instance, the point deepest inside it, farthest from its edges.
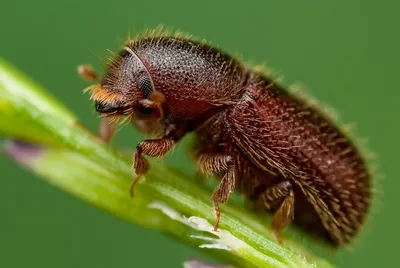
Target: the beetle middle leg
(216, 164)
(279, 195)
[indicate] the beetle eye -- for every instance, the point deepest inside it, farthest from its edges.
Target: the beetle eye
(105, 108)
(145, 111)
(145, 86)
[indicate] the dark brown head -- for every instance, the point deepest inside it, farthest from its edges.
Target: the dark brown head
(193, 77)
(125, 84)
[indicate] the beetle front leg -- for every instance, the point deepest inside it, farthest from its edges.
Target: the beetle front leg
(107, 129)
(154, 148)
(108, 126)
(280, 195)
(223, 165)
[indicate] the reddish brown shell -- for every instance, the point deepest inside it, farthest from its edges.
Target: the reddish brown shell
(274, 137)
(271, 135)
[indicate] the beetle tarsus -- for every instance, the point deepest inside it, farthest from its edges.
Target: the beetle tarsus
(132, 189)
(155, 148)
(217, 217)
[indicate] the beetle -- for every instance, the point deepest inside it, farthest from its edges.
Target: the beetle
(251, 133)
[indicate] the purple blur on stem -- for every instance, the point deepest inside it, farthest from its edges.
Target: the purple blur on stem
(202, 264)
(21, 151)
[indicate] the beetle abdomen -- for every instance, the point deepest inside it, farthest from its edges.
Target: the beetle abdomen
(275, 130)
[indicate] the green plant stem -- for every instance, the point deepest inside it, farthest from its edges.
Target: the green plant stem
(78, 162)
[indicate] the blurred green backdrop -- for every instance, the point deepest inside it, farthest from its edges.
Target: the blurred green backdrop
(346, 52)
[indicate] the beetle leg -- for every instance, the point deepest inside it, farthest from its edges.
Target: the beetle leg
(107, 129)
(279, 194)
(154, 148)
(107, 126)
(219, 165)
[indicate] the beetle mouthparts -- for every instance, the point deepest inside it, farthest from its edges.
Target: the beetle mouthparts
(106, 108)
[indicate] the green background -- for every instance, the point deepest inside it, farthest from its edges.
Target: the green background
(345, 52)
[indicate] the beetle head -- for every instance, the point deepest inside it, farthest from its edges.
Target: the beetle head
(123, 88)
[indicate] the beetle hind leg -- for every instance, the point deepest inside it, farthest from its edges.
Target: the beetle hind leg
(280, 196)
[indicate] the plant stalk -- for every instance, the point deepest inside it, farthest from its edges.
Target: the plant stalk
(48, 139)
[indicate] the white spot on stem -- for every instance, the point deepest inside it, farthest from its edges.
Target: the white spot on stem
(224, 240)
